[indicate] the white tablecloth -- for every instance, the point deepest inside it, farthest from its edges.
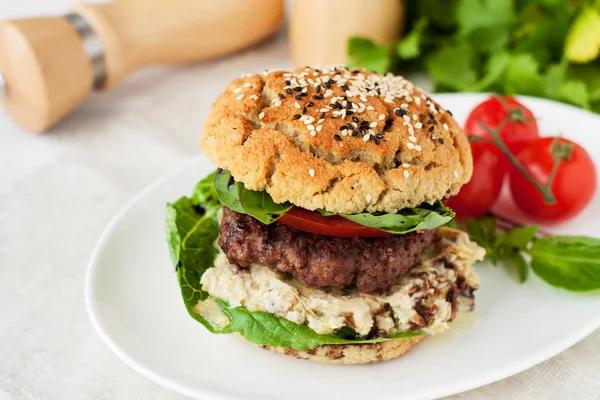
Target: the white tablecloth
(59, 190)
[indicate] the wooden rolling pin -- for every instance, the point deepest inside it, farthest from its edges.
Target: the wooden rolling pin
(48, 66)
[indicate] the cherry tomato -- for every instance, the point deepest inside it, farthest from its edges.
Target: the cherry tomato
(516, 133)
(312, 221)
(479, 195)
(573, 186)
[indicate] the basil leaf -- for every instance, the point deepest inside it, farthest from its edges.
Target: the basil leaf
(520, 264)
(405, 221)
(266, 329)
(192, 229)
(569, 262)
(521, 236)
(256, 204)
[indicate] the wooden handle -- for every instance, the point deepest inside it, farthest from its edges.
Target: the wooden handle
(137, 33)
(48, 71)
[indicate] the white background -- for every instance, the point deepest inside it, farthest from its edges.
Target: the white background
(59, 190)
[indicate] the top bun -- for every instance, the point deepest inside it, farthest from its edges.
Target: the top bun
(344, 140)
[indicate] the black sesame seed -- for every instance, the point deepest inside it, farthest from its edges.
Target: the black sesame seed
(345, 87)
(318, 97)
(303, 94)
(349, 103)
(297, 116)
(355, 119)
(304, 110)
(364, 123)
(281, 96)
(287, 82)
(331, 81)
(432, 121)
(343, 127)
(441, 140)
(288, 91)
(317, 70)
(298, 97)
(327, 85)
(431, 129)
(449, 112)
(356, 71)
(337, 137)
(431, 115)
(337, 103)
(354, 133)
(297, 89)
(349, 112)
(318, 88)
(376, 141)
(379, 136)
(322, 115)
(310, 104)
(400, 112)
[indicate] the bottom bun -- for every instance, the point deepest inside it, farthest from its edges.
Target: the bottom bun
(365, 353)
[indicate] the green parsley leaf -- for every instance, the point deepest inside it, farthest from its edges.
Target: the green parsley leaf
(410, 46)
(453, 67)
(476, 14)
(522, 76)
(366, 54)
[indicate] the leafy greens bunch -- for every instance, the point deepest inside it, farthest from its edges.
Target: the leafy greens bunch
(192, 229)
(568, 262)
(543, 48)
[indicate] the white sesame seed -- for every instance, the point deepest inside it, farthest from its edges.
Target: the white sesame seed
(304, 90)
(373, 124)
(366, 137)
(241, 96)
(415, 117)
(311, 172)
(406, 118)
(237, 90)
(277, 103)
(412, 139)
(369, 197)
(406, 174)
(418, 148)
(404, 106)
(247, 84)
(261, 115)
(406, 165)
(321, 121)
(410, 145)
(297, 105)
(253, 97)
(370, 108)
(418, 125)
(311, 127)
(313, 133)
(319, 128)
(418, 101)
(456, 174)
(381, 117)
(445, 126)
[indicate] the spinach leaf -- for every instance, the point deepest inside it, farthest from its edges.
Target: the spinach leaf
(192, 229)
(405, 221)
(256, 204)
(570, 262)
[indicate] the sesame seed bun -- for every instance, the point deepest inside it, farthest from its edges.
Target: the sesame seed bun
(343, 140)
(350, 353)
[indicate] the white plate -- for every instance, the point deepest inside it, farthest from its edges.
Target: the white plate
(134, 303)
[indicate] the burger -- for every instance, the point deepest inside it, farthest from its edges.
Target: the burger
(322, 234)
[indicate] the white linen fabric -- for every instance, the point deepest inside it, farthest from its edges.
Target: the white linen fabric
(59, 190)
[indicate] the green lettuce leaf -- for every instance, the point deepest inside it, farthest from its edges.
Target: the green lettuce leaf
(192, 230)
(405, 221)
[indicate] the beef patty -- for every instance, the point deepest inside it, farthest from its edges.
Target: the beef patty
(370, 264)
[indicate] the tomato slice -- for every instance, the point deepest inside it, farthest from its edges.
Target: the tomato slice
(313, 222)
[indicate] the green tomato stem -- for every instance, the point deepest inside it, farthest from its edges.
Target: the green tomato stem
(494, 133)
